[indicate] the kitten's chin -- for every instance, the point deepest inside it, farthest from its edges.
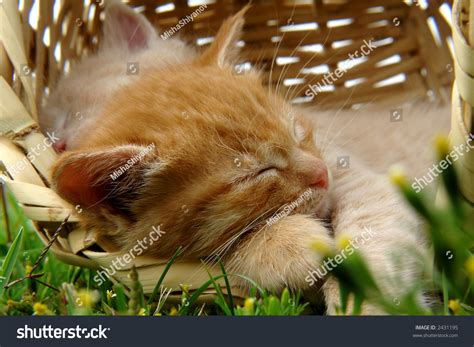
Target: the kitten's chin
(322, 210)
(318, 206)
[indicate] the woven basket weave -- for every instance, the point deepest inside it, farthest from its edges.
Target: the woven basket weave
(311, 37)
(463, 91)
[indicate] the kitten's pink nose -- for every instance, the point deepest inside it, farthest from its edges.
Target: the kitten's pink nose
(315, 174)
(320, 178)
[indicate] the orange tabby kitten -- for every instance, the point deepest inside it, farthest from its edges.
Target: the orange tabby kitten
(157, 134)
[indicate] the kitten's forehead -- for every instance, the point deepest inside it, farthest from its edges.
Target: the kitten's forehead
(249, 119)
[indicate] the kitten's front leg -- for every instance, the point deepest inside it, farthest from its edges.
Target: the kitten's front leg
(367, 208)
(279, 255)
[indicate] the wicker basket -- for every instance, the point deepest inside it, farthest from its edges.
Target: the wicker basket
(311, 37)
(463, 91)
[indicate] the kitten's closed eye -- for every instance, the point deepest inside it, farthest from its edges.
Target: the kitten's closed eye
(266, 170)
(256, 173)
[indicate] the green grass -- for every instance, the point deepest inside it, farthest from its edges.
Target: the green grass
(62, 289)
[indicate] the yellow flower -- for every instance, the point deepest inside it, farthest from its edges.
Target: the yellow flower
(398, 176)
(86, 298)
(321, 247)
(110, 294)
(248, 304)
(173, 311)
(469, 264)
(442, 145)
(454, 306)
(40, 309)
(342, 241)
(141, 312)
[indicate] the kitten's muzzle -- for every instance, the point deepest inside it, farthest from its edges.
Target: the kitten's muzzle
(320, 179)
(315, 174)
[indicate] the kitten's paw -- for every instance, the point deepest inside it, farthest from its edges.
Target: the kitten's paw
(279, 255)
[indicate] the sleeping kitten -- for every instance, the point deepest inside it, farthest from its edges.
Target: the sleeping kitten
(225, 166)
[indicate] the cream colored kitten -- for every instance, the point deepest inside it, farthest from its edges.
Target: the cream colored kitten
(123, 55)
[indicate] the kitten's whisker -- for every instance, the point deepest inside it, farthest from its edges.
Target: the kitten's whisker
(237, 266)
(227, 244)
(278, 47)
(305, 65)
(334, 118)
(240, 141)
(301, 70)
(250, 226)
(212, 260)
(223, 145)
(257, 65)
(345, 126)
(287, 66)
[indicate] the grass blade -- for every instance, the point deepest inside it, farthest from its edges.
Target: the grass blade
(221, 301)
(71, 303)
(122, 300)
(9, 262)
(445, 295)
(227, 284)
(163, 274)
(184, 310)
(201, 289)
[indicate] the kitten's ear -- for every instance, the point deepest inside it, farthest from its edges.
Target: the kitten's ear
(108, 178)
(223, 49)
(126, 29)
